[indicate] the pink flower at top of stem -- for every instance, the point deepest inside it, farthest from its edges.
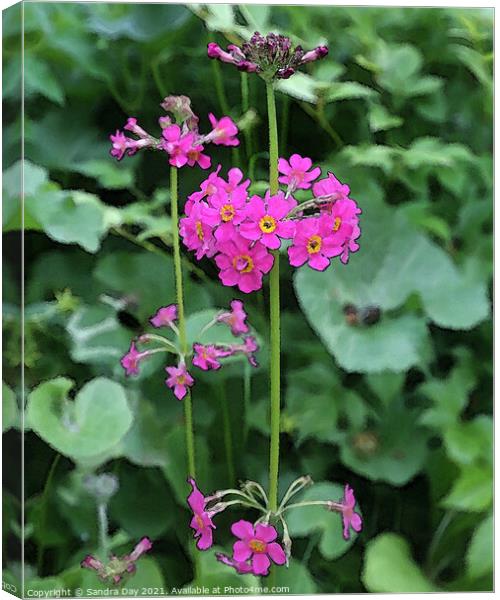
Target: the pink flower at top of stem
(257, 545)
(179, 380)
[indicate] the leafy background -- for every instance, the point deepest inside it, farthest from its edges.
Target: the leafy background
(402, 409)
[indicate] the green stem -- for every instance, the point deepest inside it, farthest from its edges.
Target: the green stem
(247, 394)
(274, 305)
(228, 442)
(102, 517)
(188, 409)
(245, 105)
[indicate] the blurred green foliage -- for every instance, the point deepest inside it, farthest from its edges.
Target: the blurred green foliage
(401, 408)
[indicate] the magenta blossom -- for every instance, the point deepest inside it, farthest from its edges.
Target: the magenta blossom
(344, 213)
(314, 243)
(350, 518)
(249, 347)
(234, 182)
(117, 568)
(224, 131)
(130, 361)
(202, 519)
(179, 379)
(229, 211)
(165, 316)
(121, 145)
(208, 187)
(265, 220)
(177, 145)
(235, 318)
(196, 233)
(331, 187)
(243, 265)
(350, 244)
(257, 545)
(207, 357)
(296, 173)
(241, 567)
(195, 156)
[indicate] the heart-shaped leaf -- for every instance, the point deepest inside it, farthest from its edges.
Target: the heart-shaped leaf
(91, 424)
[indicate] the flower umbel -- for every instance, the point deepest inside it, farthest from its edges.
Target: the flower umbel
(117, 568)
(272, 56)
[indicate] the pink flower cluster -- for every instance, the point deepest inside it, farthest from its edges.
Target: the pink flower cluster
(204, 356)
(239, 230)
(117, 568)
(181, 140)
(256, 545)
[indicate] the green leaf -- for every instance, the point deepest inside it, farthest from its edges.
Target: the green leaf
(468, 442)
(32, 177)
(91, 424)
(472, 490)
(387, 386)
(156, 515)
(10, 410)
(149, 279)
(389, 567)
(306, 521)
(72, 217)
(479, 557)
(348, 90)
(108, 174)
(97, 337)
(393, 451)
(296, 578)
(39, 79)
(301, 87)
(381, 120)
(371, 155)
(38, 586)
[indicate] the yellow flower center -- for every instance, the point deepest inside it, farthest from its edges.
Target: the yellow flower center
(243, 263)
(337, 223)
(199, 231)
(267, 224)
(181, 380)
(227, 212)
(257, 546)
(314, 244)
(193, 154)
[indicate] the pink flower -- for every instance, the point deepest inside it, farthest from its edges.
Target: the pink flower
(344, 213)
(235, 318)
(350, 244)
(314, 243)
(165, 316)
(229, 211)
(234, 176)
(241, 567)
(350, 518)
(116, 568)
(121, 145)
(265, 220)
(207, 357)
(257, 545)
(130, 361)
(179, 379)
(331, 187)
(208, 187)
(202, 519)
(296, 174)
(132, 126)
(177, 145)
(224, 131)
(312, 55)
(195, 155)
(196, 234)
(243, 265)
(249, 347)
(141, 548)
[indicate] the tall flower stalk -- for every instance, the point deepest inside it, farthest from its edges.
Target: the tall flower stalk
(274, 314)
(179, 290)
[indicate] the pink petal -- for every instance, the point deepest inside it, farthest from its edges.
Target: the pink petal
(276, 552)
(260, 564)
(229, 277)
(283, 166)
(356, 522)
(243, 530)
(318, 262)
(250, 282)
(250, 230)
(265, 533)
(206, 539)
(297, 255)
(241, 551)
